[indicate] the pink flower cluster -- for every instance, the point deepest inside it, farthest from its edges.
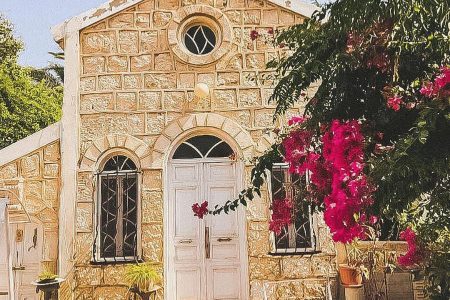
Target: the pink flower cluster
(440, 87)
(351, 192)
(415, 253)
(281, 215)
(200, 210)
(254, 34)
(296, 146)
(395, 102)
(337, 173)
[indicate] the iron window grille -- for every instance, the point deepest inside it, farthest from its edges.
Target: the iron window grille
(200, 39)
(298, 237)
(116, 236)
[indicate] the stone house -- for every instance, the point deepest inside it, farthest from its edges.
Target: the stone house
(166, 103)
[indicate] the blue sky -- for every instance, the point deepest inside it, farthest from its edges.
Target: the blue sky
(33, 20)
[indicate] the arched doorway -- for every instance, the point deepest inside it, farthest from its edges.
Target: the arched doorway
(206, 258)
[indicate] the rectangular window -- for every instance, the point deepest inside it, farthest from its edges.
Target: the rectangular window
(117, 219)
(299, 236)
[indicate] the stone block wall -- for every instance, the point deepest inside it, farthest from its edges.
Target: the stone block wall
(36, 178)
(133, 86)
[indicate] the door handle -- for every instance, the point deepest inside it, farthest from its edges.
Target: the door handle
(19, 268)
(188, 241)
(207, 243)
(220, 240)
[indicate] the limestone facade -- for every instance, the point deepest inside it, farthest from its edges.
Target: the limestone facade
(137, 92)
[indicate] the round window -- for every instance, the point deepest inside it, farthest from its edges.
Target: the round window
(200, 39)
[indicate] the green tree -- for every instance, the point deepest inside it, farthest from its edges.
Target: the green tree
(28, 102)
(9, 45)
(371, 59)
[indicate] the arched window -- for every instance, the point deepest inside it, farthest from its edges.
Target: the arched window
(203, 146)
(117, 210)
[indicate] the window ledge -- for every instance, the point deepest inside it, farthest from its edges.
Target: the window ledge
(302, 253)
(116, 262)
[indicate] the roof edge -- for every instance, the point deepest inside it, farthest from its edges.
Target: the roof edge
(90, 17)
(114, 6)
(30, 143)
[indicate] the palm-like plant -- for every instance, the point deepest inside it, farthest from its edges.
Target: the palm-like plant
(53, 74)
(143, 279)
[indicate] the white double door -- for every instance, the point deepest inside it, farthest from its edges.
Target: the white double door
(206, 257)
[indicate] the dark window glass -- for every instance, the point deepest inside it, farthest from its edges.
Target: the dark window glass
(186, 151)
(203, 146)
(119, 163)
(200, 39)
(118, 209)
(221, 150)
(108, 217)
(296, 237)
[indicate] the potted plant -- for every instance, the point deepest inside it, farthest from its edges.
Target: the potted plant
(48, 283)
(352, 272)
(143, 280)
(47, 277)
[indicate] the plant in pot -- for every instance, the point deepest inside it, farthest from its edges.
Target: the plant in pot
(352, 272)
(143, 280)
(46, 277)
(48, 283)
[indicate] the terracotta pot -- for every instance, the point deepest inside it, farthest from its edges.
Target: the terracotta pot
(350, 275)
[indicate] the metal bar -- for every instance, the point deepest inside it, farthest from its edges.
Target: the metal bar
(119, 216)
(98, 210)
(207, 243)
(220, 240)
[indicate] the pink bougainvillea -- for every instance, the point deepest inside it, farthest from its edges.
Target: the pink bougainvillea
(281, 215)
(440, 87)
(336, 173)
(351, 192)
(415, 253)
(395, 102)
(294, 120)
(254, 34)
(296, 146)
(200, 210)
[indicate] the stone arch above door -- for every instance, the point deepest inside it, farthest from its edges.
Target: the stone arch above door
(199, 121)
(90, 157)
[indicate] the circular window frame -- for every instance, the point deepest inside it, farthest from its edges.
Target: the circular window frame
(189, 16)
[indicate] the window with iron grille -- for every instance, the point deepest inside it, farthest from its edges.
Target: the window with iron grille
(117, 211)
(299, 236)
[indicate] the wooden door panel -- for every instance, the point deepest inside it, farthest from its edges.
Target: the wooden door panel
(185, 173)
(4, 278)
(32, 246)
(220, 172)
(224, 251)
(223, 225)
(225, 282)
(186, 224)
(188, 284)
(28, 255)
(185, 253)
